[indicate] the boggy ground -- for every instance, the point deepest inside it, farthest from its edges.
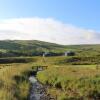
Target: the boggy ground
(38, 91)
(72, 82)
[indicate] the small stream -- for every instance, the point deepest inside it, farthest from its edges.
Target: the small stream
(38, 91)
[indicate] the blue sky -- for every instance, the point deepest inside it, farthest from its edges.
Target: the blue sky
(84, 14)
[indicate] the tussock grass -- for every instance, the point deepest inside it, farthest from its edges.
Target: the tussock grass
(72, 83)
(66, 81)
(12, 88)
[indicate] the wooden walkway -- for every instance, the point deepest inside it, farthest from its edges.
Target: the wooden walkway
(39, 68)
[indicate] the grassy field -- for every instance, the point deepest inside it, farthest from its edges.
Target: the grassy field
(69, 78)
(79, 82)
(64, 80)
(14, 83)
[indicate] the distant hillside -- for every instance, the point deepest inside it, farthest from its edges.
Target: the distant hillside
(28, 47)
(86, 49)
(35, 48)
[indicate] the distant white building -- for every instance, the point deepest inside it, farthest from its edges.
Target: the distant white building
(45, 54)
(69, 53)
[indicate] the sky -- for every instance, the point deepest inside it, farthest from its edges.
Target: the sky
(59, 21)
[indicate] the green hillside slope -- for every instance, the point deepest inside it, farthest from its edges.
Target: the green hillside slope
(28, 47)
(34, 48)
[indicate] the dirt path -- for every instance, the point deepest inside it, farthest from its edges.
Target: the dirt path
(38, 91)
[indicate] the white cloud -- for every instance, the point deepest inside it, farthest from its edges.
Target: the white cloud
(46, 30)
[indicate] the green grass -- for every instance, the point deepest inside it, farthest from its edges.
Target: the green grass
(15, 48)
(14, 84)
(66, 81)
(72, 60)
(69, 78)
(79, 83)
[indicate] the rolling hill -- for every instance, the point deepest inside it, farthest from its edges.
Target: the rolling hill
(28, 47)
(35, 48)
